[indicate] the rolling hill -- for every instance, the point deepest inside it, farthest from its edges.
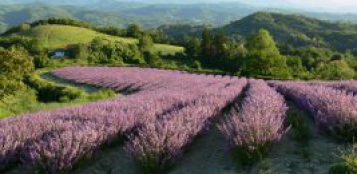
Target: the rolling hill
(121, 14)
(149, 15)
(59, 36)
(296, 30)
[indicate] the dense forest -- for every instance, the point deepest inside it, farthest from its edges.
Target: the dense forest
(311, 48)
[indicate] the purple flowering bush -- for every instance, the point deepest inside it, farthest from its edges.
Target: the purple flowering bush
(158, 144)
(334, 111)
(252, 127)
(55, 141)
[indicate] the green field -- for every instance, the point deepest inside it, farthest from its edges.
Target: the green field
(60, 36)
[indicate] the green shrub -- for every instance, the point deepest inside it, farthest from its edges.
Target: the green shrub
(298, 122)
(151, 164)
(50, 92)
(41, 61)
(22, 101)
(335, 70)
(113, 53)
(101, 94)
(15, 63)
(347, 164)
(197, 65)
(152, 59)
(248, 157)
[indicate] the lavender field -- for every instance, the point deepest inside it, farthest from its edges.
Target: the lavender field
(178, 122)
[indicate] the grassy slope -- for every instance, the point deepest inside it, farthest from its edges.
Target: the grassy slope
(59, 36)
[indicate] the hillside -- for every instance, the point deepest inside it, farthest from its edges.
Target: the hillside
(121, 14)
(59, 36)
(296, 30)
(291, 29)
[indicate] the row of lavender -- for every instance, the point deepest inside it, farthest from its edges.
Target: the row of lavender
(158, 144)
(333, 110)
(40, 138)
(253, 126)
(58, 139)
(258, 124)
(136, 79)
(348, 86)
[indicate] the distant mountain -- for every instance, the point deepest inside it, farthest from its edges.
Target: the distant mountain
(121, 14)
(287, 29)
(52, 2)
(296, 30)
(82, 2)
(11, 15)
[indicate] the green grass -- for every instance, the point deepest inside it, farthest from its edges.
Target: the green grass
(60, 36)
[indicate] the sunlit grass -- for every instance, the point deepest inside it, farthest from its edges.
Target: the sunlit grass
(60, 36)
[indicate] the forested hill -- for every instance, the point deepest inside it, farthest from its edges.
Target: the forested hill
(297, 30)
(121, 14)
(294, 30)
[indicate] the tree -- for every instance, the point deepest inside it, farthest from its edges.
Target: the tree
(41, 60)
(80, 51)
(334, 70)
(134, 30)
(24, 27)
(145, 43)
(237, 52)
(297, 70)
(152, 58)
(206, 45)
(15, 63)
(313, 56)
(192, 46)
(114, 53)
(220, 47)
(263, 58)
(159, 36)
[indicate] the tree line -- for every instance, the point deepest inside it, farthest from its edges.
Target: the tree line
(259, 56)
(133, 30)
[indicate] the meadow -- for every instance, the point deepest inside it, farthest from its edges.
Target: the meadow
(61, 36)
(179, 122)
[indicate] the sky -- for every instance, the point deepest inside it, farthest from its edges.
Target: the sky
(314, 5)
(342, 6)
(330, 5)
